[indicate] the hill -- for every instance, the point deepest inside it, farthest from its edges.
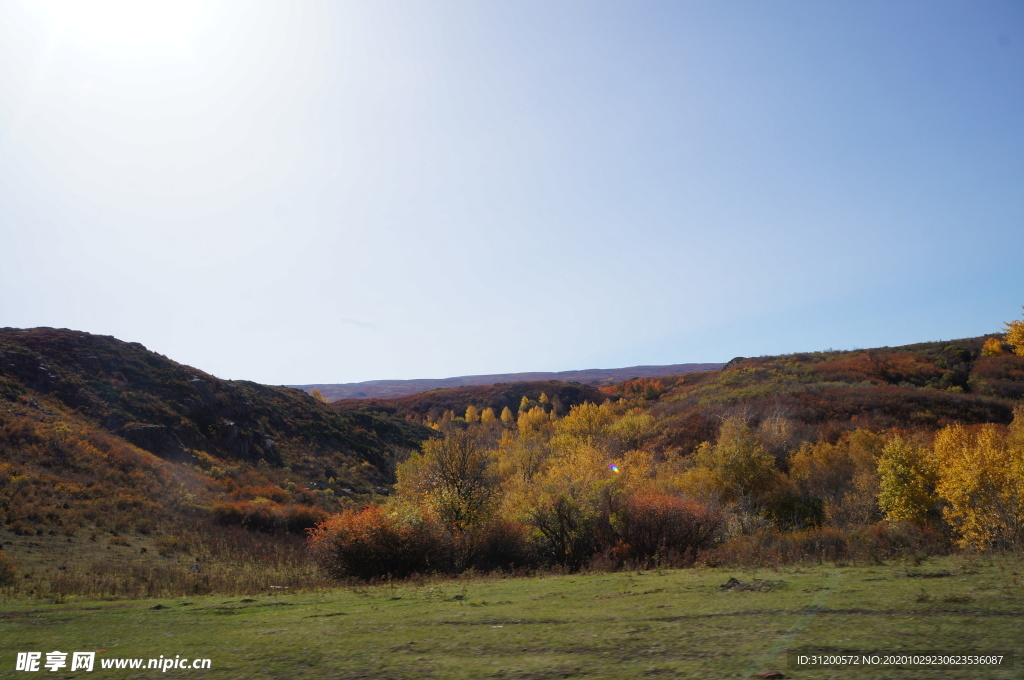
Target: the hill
(879, 452)
(822, 394)
(390, 389)
(818, 394)
(145, 469)
(109, 451)
(174, 411)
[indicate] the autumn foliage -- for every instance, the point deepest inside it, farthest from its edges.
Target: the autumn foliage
(269, 516)
(372, 543)
(858, 455)
(662, 528)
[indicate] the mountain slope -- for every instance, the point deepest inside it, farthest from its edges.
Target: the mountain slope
(144, 469)
(173, 410)
(925, 385)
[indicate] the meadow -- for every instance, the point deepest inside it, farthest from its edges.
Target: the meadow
(637, 624)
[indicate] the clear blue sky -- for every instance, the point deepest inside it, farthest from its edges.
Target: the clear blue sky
(298, 192)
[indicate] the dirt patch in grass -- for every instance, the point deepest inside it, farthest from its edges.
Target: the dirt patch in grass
(941, 573)
(628, 593)
(757, 585)
(504, 622)
(715, 615)
(550, 674)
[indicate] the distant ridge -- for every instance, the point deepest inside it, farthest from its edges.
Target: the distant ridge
(387, 389)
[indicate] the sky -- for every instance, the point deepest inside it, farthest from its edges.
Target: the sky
(339, 191)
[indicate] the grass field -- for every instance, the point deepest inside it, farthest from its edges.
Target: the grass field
(655, 624)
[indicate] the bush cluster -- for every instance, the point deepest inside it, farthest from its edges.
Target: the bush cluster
(374, 543)
(874, 544)
(268, 516)
(7, 570)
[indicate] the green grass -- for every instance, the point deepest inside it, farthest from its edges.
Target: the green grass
(671, 624)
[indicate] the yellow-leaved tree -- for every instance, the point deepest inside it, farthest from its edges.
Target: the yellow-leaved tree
(992, 348)
(566, 502)
(981, 477)
(842, 476)
(454, 476)
(632, 429)
(907, 480)
(735, 470)
(586, 425)
(1015, 335)
(521, 455)
(507, 419)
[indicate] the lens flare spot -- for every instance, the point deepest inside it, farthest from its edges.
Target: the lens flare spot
(613, 467)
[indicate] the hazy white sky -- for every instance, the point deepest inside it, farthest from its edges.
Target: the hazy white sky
(297, 192)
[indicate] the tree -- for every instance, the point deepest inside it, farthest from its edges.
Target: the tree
(507, 419)
(568, 526)
(907, 479)
(992, 348)
(319, 396)
(567, 502)
(585, 425)
(1015, 335)
(843, 476)
(980, 475)
(735, 469)
(454, 475)
(633, 429)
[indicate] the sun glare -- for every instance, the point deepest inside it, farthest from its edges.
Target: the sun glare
(128, 26)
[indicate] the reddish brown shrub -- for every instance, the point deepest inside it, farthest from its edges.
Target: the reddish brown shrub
(502, 545)
(874, 543)
(268, 516)
(7, 570)
(371, 544)
(268, 491)
(658, 528)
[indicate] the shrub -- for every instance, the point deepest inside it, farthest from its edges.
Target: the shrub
(874, 543)
(885, 540)
(7, 570)
(269, 517)
(267, 491)
(655, 527)
(371, 544)
(569, 530)
(502, 545)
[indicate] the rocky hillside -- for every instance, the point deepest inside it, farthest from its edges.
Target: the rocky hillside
(123, 472)
(175, 411)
